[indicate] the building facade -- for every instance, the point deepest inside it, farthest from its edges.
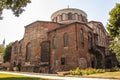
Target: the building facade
(66, 42)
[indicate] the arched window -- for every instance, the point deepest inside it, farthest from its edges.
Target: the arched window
(58, 18)
(45, 52)
(80, 17)
(69, 16)
(89, 41)
(66, 42)
(76, 16)
(61, 19)
(82, 38)
(54, 42)
(55, 19)
(28, 52)
(63, 16)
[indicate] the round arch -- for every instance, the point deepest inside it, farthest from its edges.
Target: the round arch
(99, 59)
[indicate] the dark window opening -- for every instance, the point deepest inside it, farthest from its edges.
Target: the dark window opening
(89, 41)
(96, 39)
(62, 61)
(69, 16)
(93, 64)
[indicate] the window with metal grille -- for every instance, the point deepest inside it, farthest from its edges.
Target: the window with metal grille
(45, 52)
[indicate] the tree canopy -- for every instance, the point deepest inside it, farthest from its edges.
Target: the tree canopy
(7, 54)
(17, 6)
(114, 21)
(115, 47)
(114, 30)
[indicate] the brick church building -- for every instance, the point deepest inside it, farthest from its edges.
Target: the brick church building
(64, 43)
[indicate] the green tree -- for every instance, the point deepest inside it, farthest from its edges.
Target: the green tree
(7, 54)
(115, 47)
(114, 30)
(114, 21)
(17, 6)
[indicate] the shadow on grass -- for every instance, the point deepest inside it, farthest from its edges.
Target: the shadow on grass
(21, 78)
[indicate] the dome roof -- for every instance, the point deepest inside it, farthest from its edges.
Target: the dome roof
(69, 15)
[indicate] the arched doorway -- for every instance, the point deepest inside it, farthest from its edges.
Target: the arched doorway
(108, 64)
(93, 64)
(93, 61)
(99, 60)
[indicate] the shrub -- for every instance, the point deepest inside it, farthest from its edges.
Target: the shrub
(100, 70)
(77, 71)
(87, 71)
(114, 69)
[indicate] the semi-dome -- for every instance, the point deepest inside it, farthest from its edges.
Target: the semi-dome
(69, 15)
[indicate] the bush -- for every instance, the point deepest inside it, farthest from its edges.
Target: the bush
(77, 71)
(114, 69)
(87, 71)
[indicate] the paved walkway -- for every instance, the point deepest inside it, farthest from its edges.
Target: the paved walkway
(52, 76)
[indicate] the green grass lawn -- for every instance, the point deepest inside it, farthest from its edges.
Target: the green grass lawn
(107, 74)
(16, 77)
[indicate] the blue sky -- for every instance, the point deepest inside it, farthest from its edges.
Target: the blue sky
(12, 28)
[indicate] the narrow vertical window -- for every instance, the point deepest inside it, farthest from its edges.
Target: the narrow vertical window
(69, 16)
(28, 52)
(66, 42)
(62, 61)
(54, 42)
(45, 52)
(89, 41)
(82, 38)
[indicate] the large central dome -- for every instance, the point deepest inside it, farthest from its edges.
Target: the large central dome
(69, 15)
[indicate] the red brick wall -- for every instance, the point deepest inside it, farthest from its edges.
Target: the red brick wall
(71, 53)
